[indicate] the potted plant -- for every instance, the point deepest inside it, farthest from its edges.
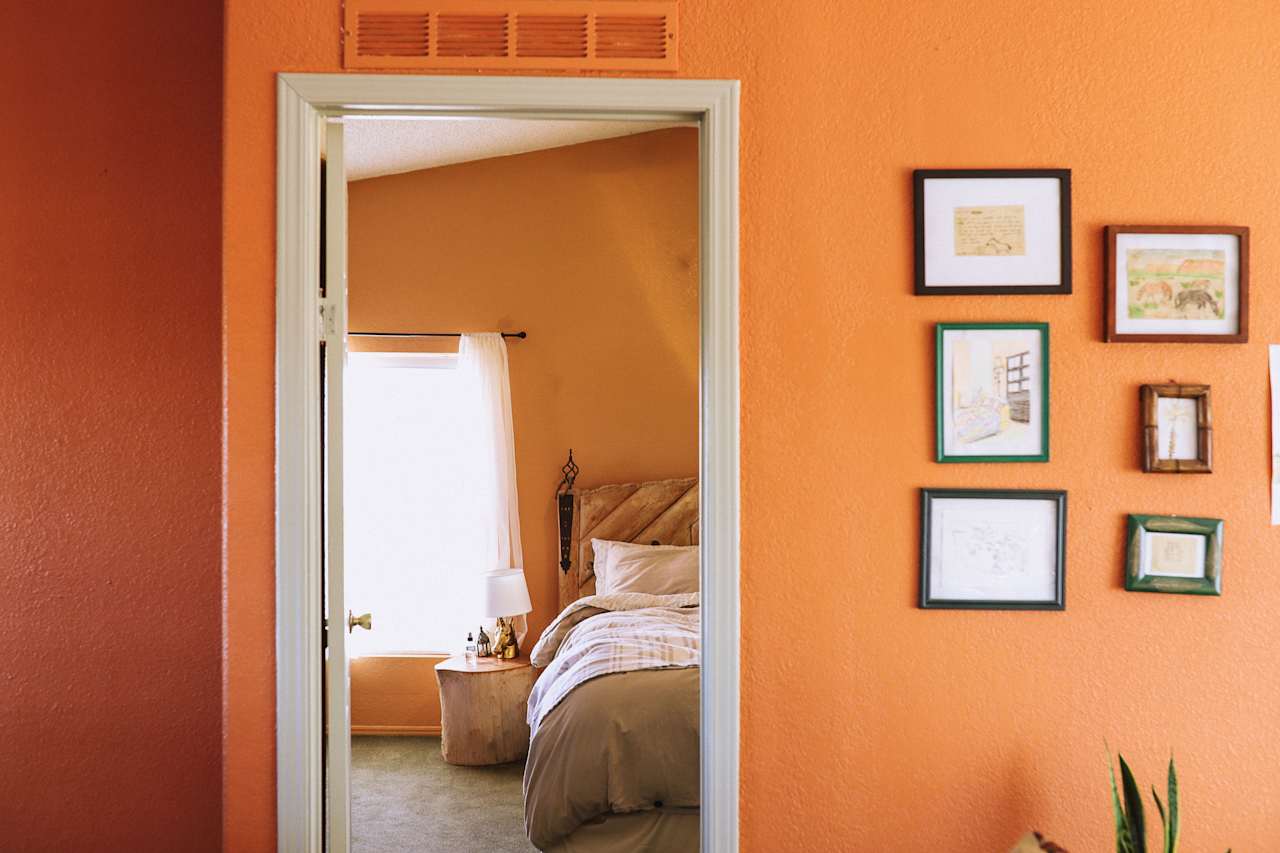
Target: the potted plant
(1131, 828)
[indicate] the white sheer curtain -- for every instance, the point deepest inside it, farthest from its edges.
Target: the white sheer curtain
(482, 360)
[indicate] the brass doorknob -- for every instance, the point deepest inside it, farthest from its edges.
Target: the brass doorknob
(364, 620)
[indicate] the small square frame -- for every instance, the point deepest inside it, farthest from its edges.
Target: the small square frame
(1058, 497)
(1211, 528)
(1150, 397)
(1110, 314)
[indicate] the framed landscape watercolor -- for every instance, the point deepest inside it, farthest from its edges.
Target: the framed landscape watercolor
(992, 231)
(1177, 429)
(992, 390)
(1176, 283)
(1172, 553)
(993, 549)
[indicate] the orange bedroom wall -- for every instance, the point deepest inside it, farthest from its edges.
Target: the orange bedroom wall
(110, 689)
(869, 725)
(593, 250)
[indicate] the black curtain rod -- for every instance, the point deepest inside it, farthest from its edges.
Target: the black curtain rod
(521, 335)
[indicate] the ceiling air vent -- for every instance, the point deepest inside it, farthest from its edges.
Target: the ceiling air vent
(577, 35)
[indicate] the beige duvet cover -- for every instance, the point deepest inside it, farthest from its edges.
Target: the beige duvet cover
(624, 743)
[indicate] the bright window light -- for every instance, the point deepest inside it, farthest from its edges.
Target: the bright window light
(413, 541)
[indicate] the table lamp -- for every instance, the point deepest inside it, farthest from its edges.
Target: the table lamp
(506, 595)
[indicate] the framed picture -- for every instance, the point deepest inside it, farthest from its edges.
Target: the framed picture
(992, 231)
(1176, 283)
(1172, 553)
(1177, 429)
(993, 549)
(992, 392)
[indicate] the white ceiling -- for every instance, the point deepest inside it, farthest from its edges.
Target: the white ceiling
(375, 147)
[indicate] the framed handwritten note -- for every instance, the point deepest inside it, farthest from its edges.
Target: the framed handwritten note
(990, 231)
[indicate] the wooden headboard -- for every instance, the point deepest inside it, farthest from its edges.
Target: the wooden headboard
(663, 511)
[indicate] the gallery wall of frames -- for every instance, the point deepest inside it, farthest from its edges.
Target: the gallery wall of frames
(1006, 232)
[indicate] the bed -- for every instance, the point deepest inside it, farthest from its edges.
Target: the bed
(613, 758)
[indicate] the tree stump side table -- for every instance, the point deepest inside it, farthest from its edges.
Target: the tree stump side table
(483, 709)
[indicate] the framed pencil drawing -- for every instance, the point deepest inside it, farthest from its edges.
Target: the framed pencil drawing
(1172, 553)
(992, 387)
(993, 549)
(1177, 429)
(1176, 283)
(992, 231)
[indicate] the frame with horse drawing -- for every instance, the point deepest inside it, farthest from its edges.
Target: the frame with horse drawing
(1176, 283)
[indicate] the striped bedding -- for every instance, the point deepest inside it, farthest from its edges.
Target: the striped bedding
(605, 634)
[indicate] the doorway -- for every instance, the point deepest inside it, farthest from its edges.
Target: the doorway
(305, 542)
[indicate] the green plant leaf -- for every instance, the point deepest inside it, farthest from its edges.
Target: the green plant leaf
(1163, 822)
(1133, 808)
(1171, 828)
(1124, 840)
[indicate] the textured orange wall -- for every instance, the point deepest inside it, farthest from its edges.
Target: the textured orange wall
(395, 694)
(109, 426)
(950, 731)
(593, 250)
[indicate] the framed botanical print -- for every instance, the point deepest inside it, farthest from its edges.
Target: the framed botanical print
(1177, 429)
(1172, 553)
(992, 390)
(992, 231)
(993, 549)
(1176, 283)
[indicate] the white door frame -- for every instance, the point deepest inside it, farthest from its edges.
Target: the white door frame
(304, 101)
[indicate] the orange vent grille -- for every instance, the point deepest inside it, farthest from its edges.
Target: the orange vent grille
(615, 35)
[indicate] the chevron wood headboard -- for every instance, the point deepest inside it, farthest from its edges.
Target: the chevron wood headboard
(663, 511)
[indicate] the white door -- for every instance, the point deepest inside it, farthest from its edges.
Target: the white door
(334, 330)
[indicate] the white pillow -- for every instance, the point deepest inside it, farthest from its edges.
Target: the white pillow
(655, 569)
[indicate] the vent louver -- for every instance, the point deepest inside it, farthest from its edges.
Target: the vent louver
(604, 35)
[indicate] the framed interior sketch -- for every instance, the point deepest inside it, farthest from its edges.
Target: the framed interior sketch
(993, 549)
(1177, 429)
(1172, 553)
(992, 390)
(1176, 283)
(992, 231)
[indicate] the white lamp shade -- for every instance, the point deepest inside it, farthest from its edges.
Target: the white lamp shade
(506, 594)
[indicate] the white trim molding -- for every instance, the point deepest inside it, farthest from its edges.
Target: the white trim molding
(304, 100)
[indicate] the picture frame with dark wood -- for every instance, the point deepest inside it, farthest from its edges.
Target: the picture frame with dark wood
(992, 392)
(1177, 429)
(992, 231)
(993, 549)
(1176, 283)
(1173, 553)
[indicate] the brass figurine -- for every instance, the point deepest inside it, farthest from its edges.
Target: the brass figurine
(483, 648)
(505, 647)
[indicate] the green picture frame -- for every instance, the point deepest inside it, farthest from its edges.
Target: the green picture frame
(997, 410)
(1199, 572)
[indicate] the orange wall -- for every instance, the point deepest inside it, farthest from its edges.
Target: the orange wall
(953, 730)
(593, 250)
(109, 427)
(395, 695)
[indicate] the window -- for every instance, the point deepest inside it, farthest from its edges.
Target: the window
(413, 539)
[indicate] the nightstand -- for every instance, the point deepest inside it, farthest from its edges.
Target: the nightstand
(483, 709)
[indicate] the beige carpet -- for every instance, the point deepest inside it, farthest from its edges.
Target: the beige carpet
(406, 799)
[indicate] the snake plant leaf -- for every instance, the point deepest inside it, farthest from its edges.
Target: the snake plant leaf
(1133, 808)
(1163, 821)
(1171, 828)
(1124, 840)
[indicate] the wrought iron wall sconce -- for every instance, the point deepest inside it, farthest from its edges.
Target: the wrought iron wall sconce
(564, 504)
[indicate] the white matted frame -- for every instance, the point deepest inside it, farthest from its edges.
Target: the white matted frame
(304, 102)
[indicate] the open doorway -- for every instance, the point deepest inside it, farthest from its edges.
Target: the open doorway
(579, 241)
(313, 718)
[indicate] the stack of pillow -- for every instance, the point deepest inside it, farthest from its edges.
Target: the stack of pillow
(653, 569)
